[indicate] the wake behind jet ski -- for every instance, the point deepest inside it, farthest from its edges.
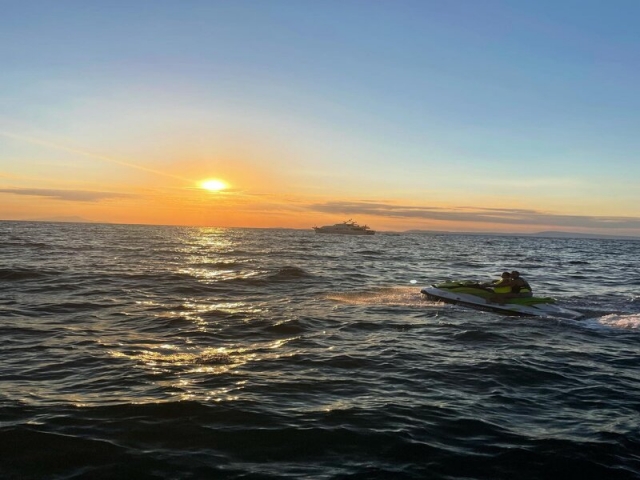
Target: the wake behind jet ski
(498, 297)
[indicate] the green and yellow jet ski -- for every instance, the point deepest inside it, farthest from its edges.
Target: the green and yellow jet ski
(480, 296)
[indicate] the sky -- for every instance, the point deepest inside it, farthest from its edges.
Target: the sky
(472, 115)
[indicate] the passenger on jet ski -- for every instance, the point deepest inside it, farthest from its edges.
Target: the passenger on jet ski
(520, 285)
(512, 285)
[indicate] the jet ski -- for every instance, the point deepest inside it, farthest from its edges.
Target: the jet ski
(477, 295)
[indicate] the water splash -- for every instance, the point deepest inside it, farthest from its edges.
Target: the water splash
(625, 321)
(402, 296)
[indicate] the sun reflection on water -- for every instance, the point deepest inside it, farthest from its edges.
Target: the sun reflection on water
(199, 360)
(206, 360)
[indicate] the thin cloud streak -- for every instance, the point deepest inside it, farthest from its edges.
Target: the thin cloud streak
(76, 151)
(67, 195)
(482, 215)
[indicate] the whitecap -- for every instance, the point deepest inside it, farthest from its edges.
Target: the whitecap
(626, 321)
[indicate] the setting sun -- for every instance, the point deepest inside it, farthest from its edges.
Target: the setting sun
(213, 185)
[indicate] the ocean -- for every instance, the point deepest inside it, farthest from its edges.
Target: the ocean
(155, 352)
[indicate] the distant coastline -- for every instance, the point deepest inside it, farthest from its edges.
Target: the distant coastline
(546, 234)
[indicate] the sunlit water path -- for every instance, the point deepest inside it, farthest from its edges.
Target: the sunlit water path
(185, 353)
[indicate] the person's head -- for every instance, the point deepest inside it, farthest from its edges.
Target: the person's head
(505, 275)
(515, 274)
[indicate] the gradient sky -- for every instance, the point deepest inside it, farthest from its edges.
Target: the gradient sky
(468, 115)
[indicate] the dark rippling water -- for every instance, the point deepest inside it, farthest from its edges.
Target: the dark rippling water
(194, 353)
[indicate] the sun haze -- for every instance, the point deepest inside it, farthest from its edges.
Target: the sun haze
(213, 185)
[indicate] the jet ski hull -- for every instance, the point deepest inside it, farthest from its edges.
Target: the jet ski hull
(478, 300)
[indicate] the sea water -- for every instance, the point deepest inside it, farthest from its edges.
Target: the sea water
(154, 352)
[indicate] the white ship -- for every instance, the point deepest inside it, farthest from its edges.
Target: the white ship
(346, 228)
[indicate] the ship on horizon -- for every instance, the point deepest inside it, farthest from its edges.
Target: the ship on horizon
(345, 228)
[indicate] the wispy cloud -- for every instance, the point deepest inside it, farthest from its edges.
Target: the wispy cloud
(472, 214)
(68, 195)
(78, 151)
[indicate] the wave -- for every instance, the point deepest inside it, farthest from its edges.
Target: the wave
(371, 253)
(283, 274)
(480, 336)
(286, 327)
(26, 273)
(172, 358)
(288, 273)
(24, 243)
(218, 265)
(69, 307)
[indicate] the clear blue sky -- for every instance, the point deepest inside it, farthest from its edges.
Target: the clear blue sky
(466, 115)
